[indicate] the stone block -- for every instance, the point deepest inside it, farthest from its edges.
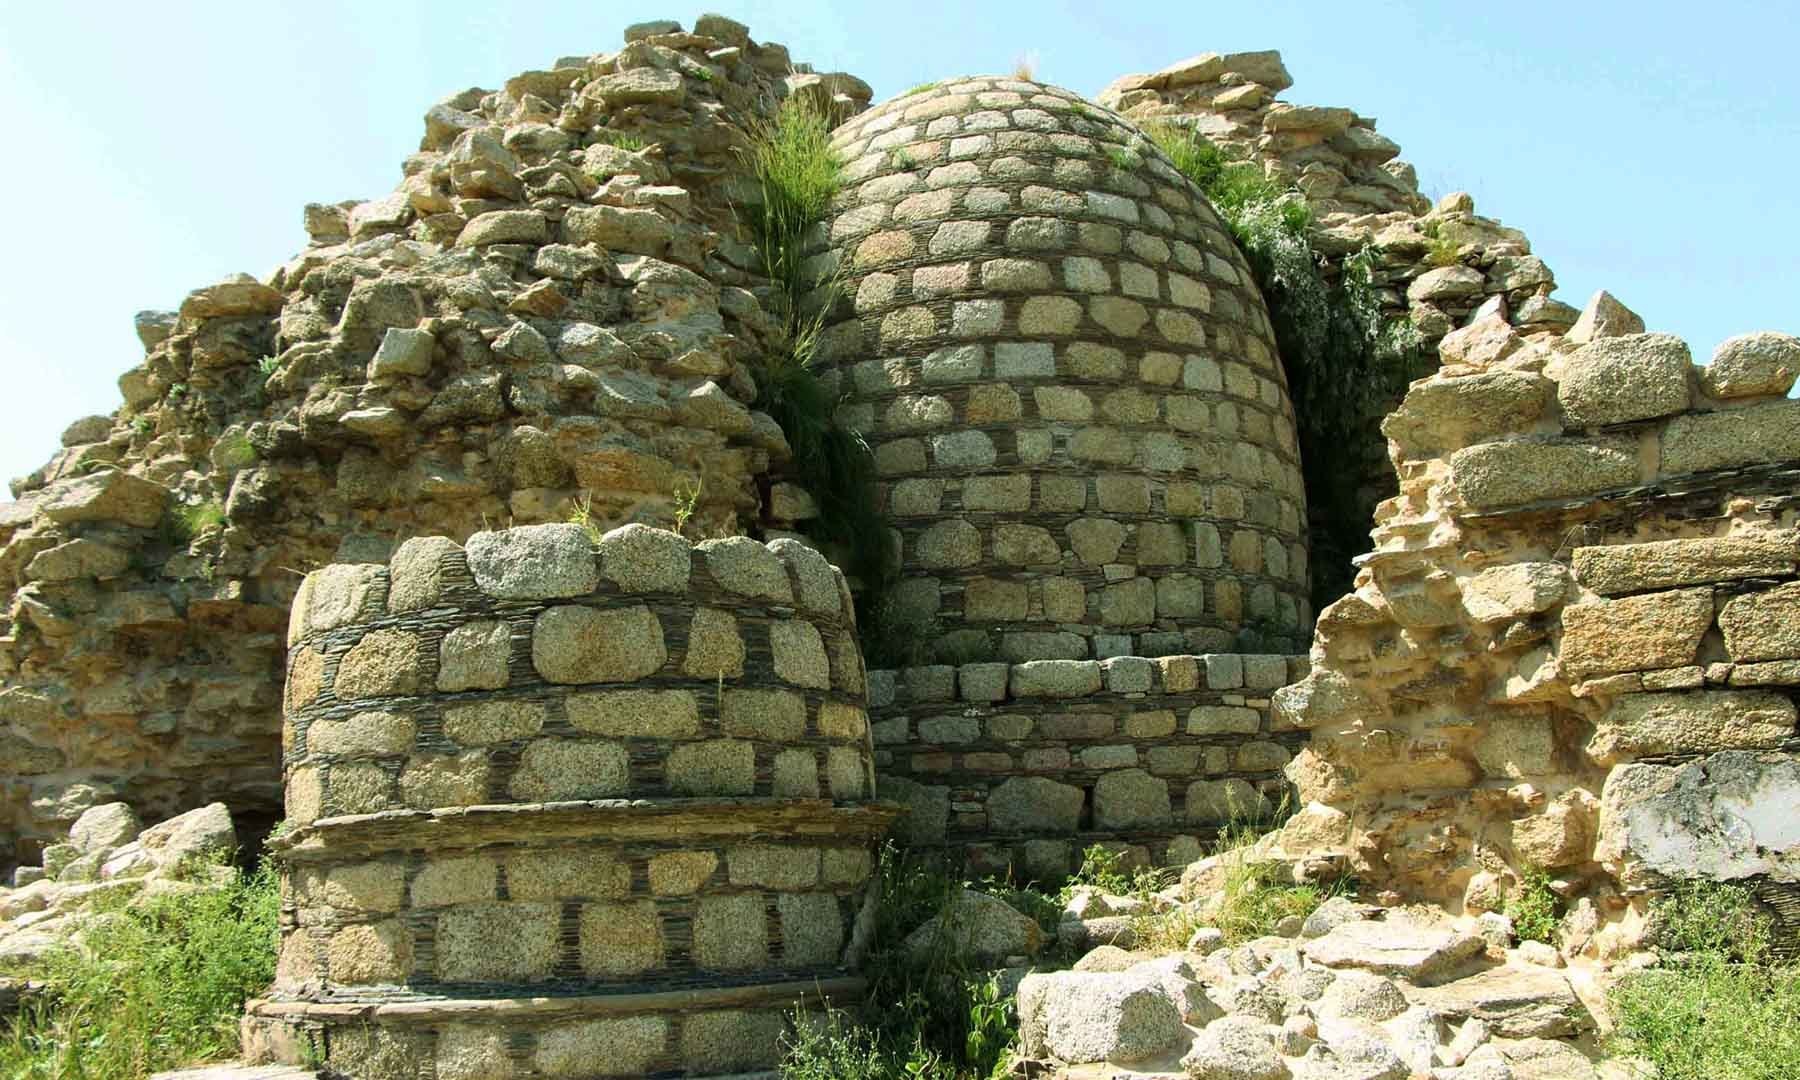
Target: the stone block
(1128, 674)
(1663, 564)
(571, 644)
(485, 723)
(534, 562)
(1265, 671)
(447, 882)
(644, 714)
(1223, 720)
(730, 933)
(1490, 476)
(731, 1042)
(770, 715)
(427, 783)
(927, 810)
(474, 656)
(1763, 625)
(626, 1045)
(1131, 798)
(1515, 590)
(681, 873)
(1732, 439)
(713, 767)
(556, 770)
(499, 942)
(1753, 365)
(1515, 746)
(715, 647)
(985, 682)
(370, 953)
(1688, 722)
(743, 566)
(1637, 633)
(1056, 678)
(799, 654)
(1218, 802)
(1617, 379)
(638, 558)
(620, 940)
(364, 735)
(384, 663)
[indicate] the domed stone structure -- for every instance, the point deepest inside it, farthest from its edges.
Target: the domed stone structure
(554, 806)
(1068, 378)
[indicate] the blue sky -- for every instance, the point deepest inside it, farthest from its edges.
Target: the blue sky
(1648, 148)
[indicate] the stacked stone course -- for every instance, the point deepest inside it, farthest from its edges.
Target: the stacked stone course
(1068, 379)
(569, 808)
(1019, 768)
(1572, 648)
(543, 316)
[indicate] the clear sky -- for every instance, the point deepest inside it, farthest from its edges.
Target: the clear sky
(1649, 147)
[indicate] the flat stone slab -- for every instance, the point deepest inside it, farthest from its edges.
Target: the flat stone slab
(1518, 1002)
(1422, 955)
(236, 1071)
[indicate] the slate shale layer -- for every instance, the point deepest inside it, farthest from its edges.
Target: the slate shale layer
(562, 806)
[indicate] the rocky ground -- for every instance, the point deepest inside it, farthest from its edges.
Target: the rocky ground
(109, 855)
(1352, 992)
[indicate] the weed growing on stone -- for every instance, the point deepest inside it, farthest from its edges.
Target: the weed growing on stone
(268, 365)
(186, 522)
(1346, 365)
(920, 89)
(1533, 908)
(582, 514)
(798, 174)
(1721, 1006)
(620, 139)
(687, 500)
(935, 1014)
(1441, 251)
(151, 986)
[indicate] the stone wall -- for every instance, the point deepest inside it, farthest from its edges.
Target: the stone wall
(551, 314)
(1068, 378)
(558, 802)
(1572, 648)
(1021, 767)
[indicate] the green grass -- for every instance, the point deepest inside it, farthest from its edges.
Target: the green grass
(619, 139)
(1441, 251)
(1533, 908)
(191, 519)
(155, 987)
(921, 88)
(1720, 1007)
(797, 175)
(934, 1016)
(1347, 363)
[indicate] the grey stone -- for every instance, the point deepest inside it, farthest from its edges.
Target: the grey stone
(638, 558)
(1516, 1002)
(743, 566)
(1753, 365)
(1079, 1017)
(534, 562)
(1055, 678)
(1027, 804)
(1131, 798)
(105, 827)
(1421, 955)
(1604, 317)
(1617, 379)
(1235, 1048)
(978, 926)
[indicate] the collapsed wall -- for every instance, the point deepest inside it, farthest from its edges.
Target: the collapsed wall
(550, 315)
(1068, 379)
(567, 808)
(1572, 649)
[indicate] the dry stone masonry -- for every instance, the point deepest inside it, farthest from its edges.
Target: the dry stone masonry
(550, 312)
(1068, 379)
(562, 808)
(1023, 766)
(1572, 649)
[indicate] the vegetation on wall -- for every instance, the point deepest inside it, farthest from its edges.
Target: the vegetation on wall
(1346, 364)
(797, 174)
(1720, 1005)
(149, 985)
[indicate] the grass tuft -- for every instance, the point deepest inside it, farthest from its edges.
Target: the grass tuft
(187, 521)
(1533, 908)
(1720, 1007)
(152, 986)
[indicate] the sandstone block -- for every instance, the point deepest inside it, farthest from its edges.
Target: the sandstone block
(1665, 563)
(715, 647)
(1642, 725)
(1514, 591)
(416, 572)
(730, 933)
(652, 714)
(499, 942)
(571, 644)
(619, 940)
(627, 1045)
(1763, 625)
(487, 722)
(770, 715)
(1056, 678)
(1637, 633)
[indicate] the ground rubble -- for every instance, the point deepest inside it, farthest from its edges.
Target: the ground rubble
(108, 856)
(1351, 992)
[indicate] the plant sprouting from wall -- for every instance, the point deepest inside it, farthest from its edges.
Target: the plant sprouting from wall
(798, 174)
(1346, 363)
